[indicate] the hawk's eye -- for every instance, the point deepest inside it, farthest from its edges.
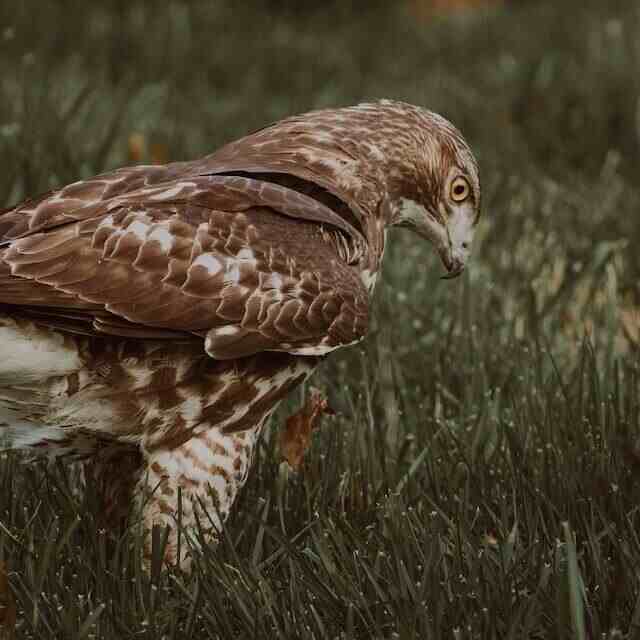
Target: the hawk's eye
(460, 189)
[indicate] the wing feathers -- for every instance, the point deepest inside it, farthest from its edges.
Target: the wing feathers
(168, 259)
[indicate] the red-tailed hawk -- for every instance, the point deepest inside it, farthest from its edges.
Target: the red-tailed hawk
(153, 317)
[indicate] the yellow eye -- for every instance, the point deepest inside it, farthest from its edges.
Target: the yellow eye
(460, 189)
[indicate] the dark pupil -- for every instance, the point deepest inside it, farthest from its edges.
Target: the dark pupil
(459, 189)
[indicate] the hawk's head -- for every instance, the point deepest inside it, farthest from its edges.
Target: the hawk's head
(435, 188)
(388, 162)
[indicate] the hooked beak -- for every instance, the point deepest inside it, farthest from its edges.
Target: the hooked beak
(452, 246)
(451, 237)
(454, 265)
(455, 249)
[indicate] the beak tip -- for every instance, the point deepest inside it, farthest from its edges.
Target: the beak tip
(452, 274)
(454, 266)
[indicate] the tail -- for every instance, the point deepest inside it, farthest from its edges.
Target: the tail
(54, 442)
(20, 434)
(32, 358)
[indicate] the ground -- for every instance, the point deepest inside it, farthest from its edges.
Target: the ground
(481, 478)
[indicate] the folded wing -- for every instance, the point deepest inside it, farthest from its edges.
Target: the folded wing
(248, 265)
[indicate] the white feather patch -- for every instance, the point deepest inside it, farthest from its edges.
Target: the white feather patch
(369, 279)
(21, 435)
(226, 330)
(232, 276)
(28, 354)
(164, 237)
(273, 281)
(167, 194)
(139, 229)
(246, 255)
(209, 262)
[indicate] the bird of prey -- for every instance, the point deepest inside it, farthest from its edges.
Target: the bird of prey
(152, 318)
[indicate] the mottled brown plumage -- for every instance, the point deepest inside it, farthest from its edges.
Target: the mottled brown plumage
(158, 315)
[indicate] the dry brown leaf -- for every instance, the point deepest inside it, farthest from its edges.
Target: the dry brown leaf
(490, 539)
(7, 606)
(137, 147)
(296, 436)
(141, 150)
(159, 153)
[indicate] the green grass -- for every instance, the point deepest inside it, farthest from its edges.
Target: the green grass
(481, 479)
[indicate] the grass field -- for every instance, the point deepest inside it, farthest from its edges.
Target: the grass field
(482, 476)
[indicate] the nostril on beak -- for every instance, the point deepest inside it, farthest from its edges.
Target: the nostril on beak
(465, 245)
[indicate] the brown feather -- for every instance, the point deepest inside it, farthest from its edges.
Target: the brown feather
(128, 263)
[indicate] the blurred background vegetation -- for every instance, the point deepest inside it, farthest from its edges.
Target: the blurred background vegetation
(481, 478)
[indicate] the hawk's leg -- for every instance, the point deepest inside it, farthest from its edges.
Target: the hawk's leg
(197, 481)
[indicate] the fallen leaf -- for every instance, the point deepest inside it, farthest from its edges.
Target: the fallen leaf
(159, 153)
(137, 147)
(296, 437)
(490, 539)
